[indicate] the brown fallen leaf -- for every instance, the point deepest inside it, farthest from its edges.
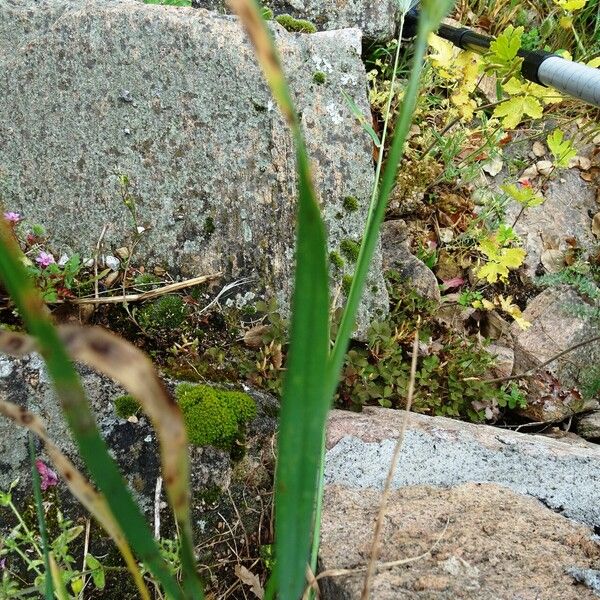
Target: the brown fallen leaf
(249, 578)
(255, 337)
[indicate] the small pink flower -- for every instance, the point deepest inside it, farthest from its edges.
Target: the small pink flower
(12, 217)
(44, 259)
(48, 477)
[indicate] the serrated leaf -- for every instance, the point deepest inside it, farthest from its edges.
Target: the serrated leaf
(525, 196)
(444, 57)
(571, 5)
(512, 111)
(562, 150)
(489, 247)
(513, 257)
(492, 271)
(508, 43)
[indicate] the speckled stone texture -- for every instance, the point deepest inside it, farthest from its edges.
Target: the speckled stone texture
(173, 98)
(486, 541)
(376, 19)
(443, 452)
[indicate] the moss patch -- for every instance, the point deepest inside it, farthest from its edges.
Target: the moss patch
(350, 249)
(209, 226)
(351, 203)
(336, 260)
(347, 283)
(165, 314)
(296, 25)
(213, 416)
(319, 77)
(125, 406)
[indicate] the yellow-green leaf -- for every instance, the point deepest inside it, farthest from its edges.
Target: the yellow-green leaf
(512, 111)
(512, 257)
(562, 150)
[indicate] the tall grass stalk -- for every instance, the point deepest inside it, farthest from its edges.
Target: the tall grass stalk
(312, 374)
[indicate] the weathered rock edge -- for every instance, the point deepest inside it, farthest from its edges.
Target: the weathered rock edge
(174, 99)
(443, 452)
(377, 20)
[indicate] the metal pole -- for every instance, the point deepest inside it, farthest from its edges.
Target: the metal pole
(544, 68)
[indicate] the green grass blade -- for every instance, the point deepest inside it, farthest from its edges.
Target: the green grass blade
(304, 406)
(432, 12)
(78, 414)
(39, 509)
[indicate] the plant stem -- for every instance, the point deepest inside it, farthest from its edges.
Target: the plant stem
(26, 529)
(386, 120)
(37, 494)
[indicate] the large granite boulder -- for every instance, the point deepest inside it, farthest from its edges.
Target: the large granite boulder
(377, 20)
(472, 541)
(173, 98)
(475, 512)
(443, 452)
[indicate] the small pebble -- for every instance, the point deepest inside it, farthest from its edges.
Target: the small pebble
(544, 167)
(112, 262)
(539, 149)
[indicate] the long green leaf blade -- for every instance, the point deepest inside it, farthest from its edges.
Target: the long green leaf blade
(304, 405)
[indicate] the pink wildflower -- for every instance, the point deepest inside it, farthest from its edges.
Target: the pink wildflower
(48, 477)
(12, 217)
(44, 259)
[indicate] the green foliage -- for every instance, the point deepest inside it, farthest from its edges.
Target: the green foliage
(213, 416)
(147, 281)
(351, 203)
(449, 382)
(524, 195)
(347, 283)
(503, 56)
(22, 554)
(562, 150)
(319, 77)
(165, 314)
(350, 249)
(126, 406)
(499, 259)
(296, 25)
(267, 13)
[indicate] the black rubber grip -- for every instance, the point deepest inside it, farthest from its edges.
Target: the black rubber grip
(531, 64)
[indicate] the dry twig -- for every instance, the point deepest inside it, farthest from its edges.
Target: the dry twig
(370, 570)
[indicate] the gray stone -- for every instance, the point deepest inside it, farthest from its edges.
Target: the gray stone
(588, 426)
(550, 226)
(442, 452)
(174, 99)
(377, 20)
(504, 360)
(396, 256)
(486, 542)
(589, 577)
(557, 323)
